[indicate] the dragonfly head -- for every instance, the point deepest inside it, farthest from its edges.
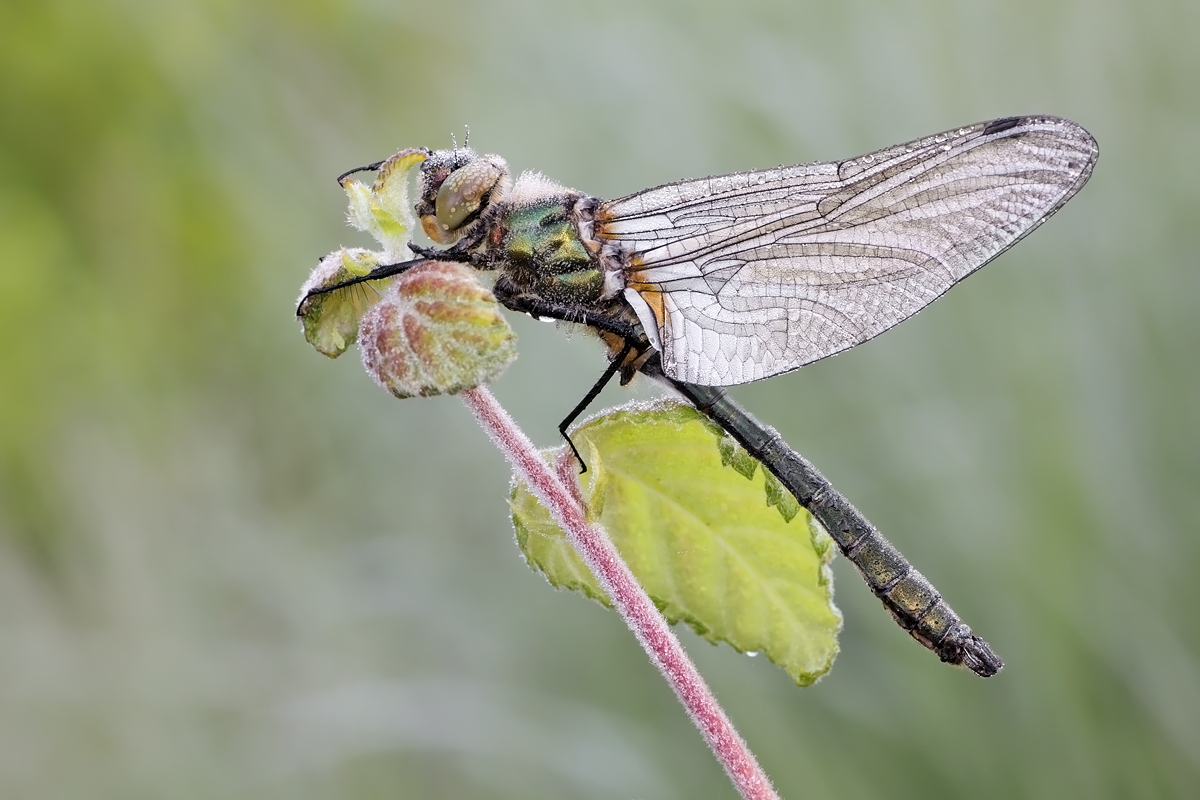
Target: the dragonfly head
(457, 186)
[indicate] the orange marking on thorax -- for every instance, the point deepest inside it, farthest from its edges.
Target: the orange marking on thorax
(653, 298)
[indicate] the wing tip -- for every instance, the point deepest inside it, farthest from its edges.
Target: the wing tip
(1070, 134)
(1061, 125)
(1001, 125)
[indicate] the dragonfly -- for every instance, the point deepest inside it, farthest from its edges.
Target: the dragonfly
(712, 282)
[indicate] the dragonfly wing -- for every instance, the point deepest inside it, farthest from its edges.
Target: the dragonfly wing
(750, 275)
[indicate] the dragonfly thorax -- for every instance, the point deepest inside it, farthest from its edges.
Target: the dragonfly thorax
(538, 247)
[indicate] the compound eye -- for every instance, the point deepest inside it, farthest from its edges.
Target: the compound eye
(461, 194)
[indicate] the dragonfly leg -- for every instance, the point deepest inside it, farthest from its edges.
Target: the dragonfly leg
(456, 253)
(513, 298)
(382, 271)
(582, 405)
(367, 168)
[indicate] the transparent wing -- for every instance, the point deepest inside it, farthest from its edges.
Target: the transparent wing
(744, 276)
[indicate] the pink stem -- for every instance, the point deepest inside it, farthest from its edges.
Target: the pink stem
(631, 601)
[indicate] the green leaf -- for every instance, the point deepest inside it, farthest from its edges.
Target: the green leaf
(783, 501)
(672, 492)
(383, 209)
(330, 321)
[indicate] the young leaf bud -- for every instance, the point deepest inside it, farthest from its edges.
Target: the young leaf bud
(436, 330)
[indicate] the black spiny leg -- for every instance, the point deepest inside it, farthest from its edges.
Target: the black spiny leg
(434, 254)
(536, 307)
(382, 271)
(609, 371)
(367, 168)
(630, 332)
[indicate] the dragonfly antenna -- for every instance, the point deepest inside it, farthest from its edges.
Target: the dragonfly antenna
(466, 138)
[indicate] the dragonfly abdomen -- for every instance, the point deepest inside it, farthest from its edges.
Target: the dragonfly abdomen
(907, 594)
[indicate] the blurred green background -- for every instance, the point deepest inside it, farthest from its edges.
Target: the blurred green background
(230, 568)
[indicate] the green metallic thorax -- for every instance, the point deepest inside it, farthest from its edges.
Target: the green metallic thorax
(539, 248)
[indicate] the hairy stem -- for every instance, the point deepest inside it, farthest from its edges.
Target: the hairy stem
(630, 600)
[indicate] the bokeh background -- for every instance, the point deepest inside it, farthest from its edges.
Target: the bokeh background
(230, 568)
